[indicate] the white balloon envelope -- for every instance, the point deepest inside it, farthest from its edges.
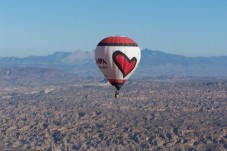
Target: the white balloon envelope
(117, 57)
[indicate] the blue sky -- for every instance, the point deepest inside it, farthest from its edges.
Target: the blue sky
(41, 27)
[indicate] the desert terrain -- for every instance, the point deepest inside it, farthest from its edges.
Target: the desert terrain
(164, 113)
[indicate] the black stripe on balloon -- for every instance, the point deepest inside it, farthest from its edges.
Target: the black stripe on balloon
(118, 44)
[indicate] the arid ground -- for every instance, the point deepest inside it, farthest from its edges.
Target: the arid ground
(151, 114)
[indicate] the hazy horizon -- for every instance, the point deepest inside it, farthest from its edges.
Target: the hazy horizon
(65, 51)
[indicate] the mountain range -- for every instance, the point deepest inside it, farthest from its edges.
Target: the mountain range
(153, 63)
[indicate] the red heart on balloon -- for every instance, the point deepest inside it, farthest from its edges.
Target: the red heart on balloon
(124, 63)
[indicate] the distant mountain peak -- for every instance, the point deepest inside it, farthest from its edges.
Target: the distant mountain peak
(153, 63)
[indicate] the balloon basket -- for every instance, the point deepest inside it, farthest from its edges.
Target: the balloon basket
(117, 95)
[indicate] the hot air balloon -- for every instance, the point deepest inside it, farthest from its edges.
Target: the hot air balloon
(117, 57)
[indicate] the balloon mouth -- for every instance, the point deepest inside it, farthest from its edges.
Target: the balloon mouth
(117, 85)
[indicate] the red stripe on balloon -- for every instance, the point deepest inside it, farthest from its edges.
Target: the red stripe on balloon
(114, 81)
(117, 41)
